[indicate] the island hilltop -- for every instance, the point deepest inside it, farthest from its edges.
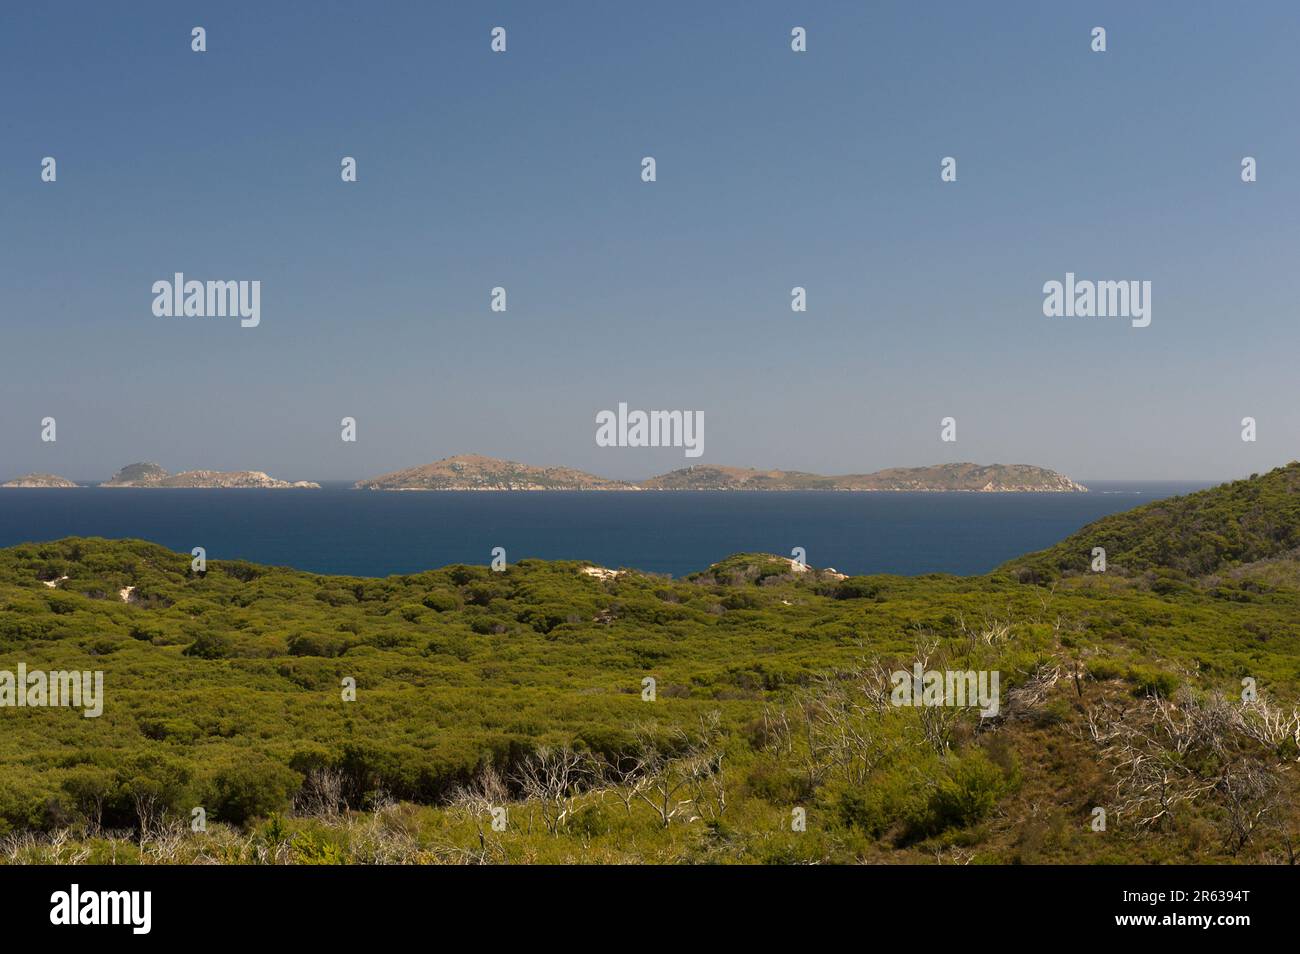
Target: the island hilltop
(38, 480)
(476, 472)
(151, 475)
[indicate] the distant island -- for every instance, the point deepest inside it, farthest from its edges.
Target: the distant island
(476, 472)
(976, 478)
(151, 475)
(38, 480)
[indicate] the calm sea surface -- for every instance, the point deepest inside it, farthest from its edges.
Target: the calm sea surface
(369, 533)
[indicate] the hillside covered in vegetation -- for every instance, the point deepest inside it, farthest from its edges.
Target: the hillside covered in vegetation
(556, 712)
(1223, 528)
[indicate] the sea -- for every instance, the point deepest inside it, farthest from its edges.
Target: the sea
(337, 530)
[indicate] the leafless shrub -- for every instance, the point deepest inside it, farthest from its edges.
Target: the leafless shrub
(1250, 795)
(20, 848)
(874, 684)
(939, 726)
(322, 794)
(1033, 692)
(989, 633)
(553, 778)
(1272, 726)
(1148, 746)
(382, 837)
(681, 773)
(477, 801)
(166, 845)
(486, 791)
(624, 777)
(149, 812)
(777, 736)
(1169, 753)
(707, 773)
(838, 725)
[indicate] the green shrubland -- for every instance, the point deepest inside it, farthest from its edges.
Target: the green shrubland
(524, 691)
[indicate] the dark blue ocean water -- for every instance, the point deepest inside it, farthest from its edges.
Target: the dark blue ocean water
(367, 533)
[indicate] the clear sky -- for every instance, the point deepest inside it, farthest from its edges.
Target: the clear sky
(775, 169)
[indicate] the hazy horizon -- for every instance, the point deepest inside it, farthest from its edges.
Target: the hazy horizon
(1084, 479)
(775, 169)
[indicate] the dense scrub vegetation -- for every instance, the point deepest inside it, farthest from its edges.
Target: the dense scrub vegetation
(1237, 523)
(523, 691)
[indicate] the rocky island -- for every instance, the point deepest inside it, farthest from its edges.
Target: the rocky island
(38, 480)
(152, 475)
(476, 472)
(975, 478)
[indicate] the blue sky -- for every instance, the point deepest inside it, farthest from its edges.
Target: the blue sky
(522, 170)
